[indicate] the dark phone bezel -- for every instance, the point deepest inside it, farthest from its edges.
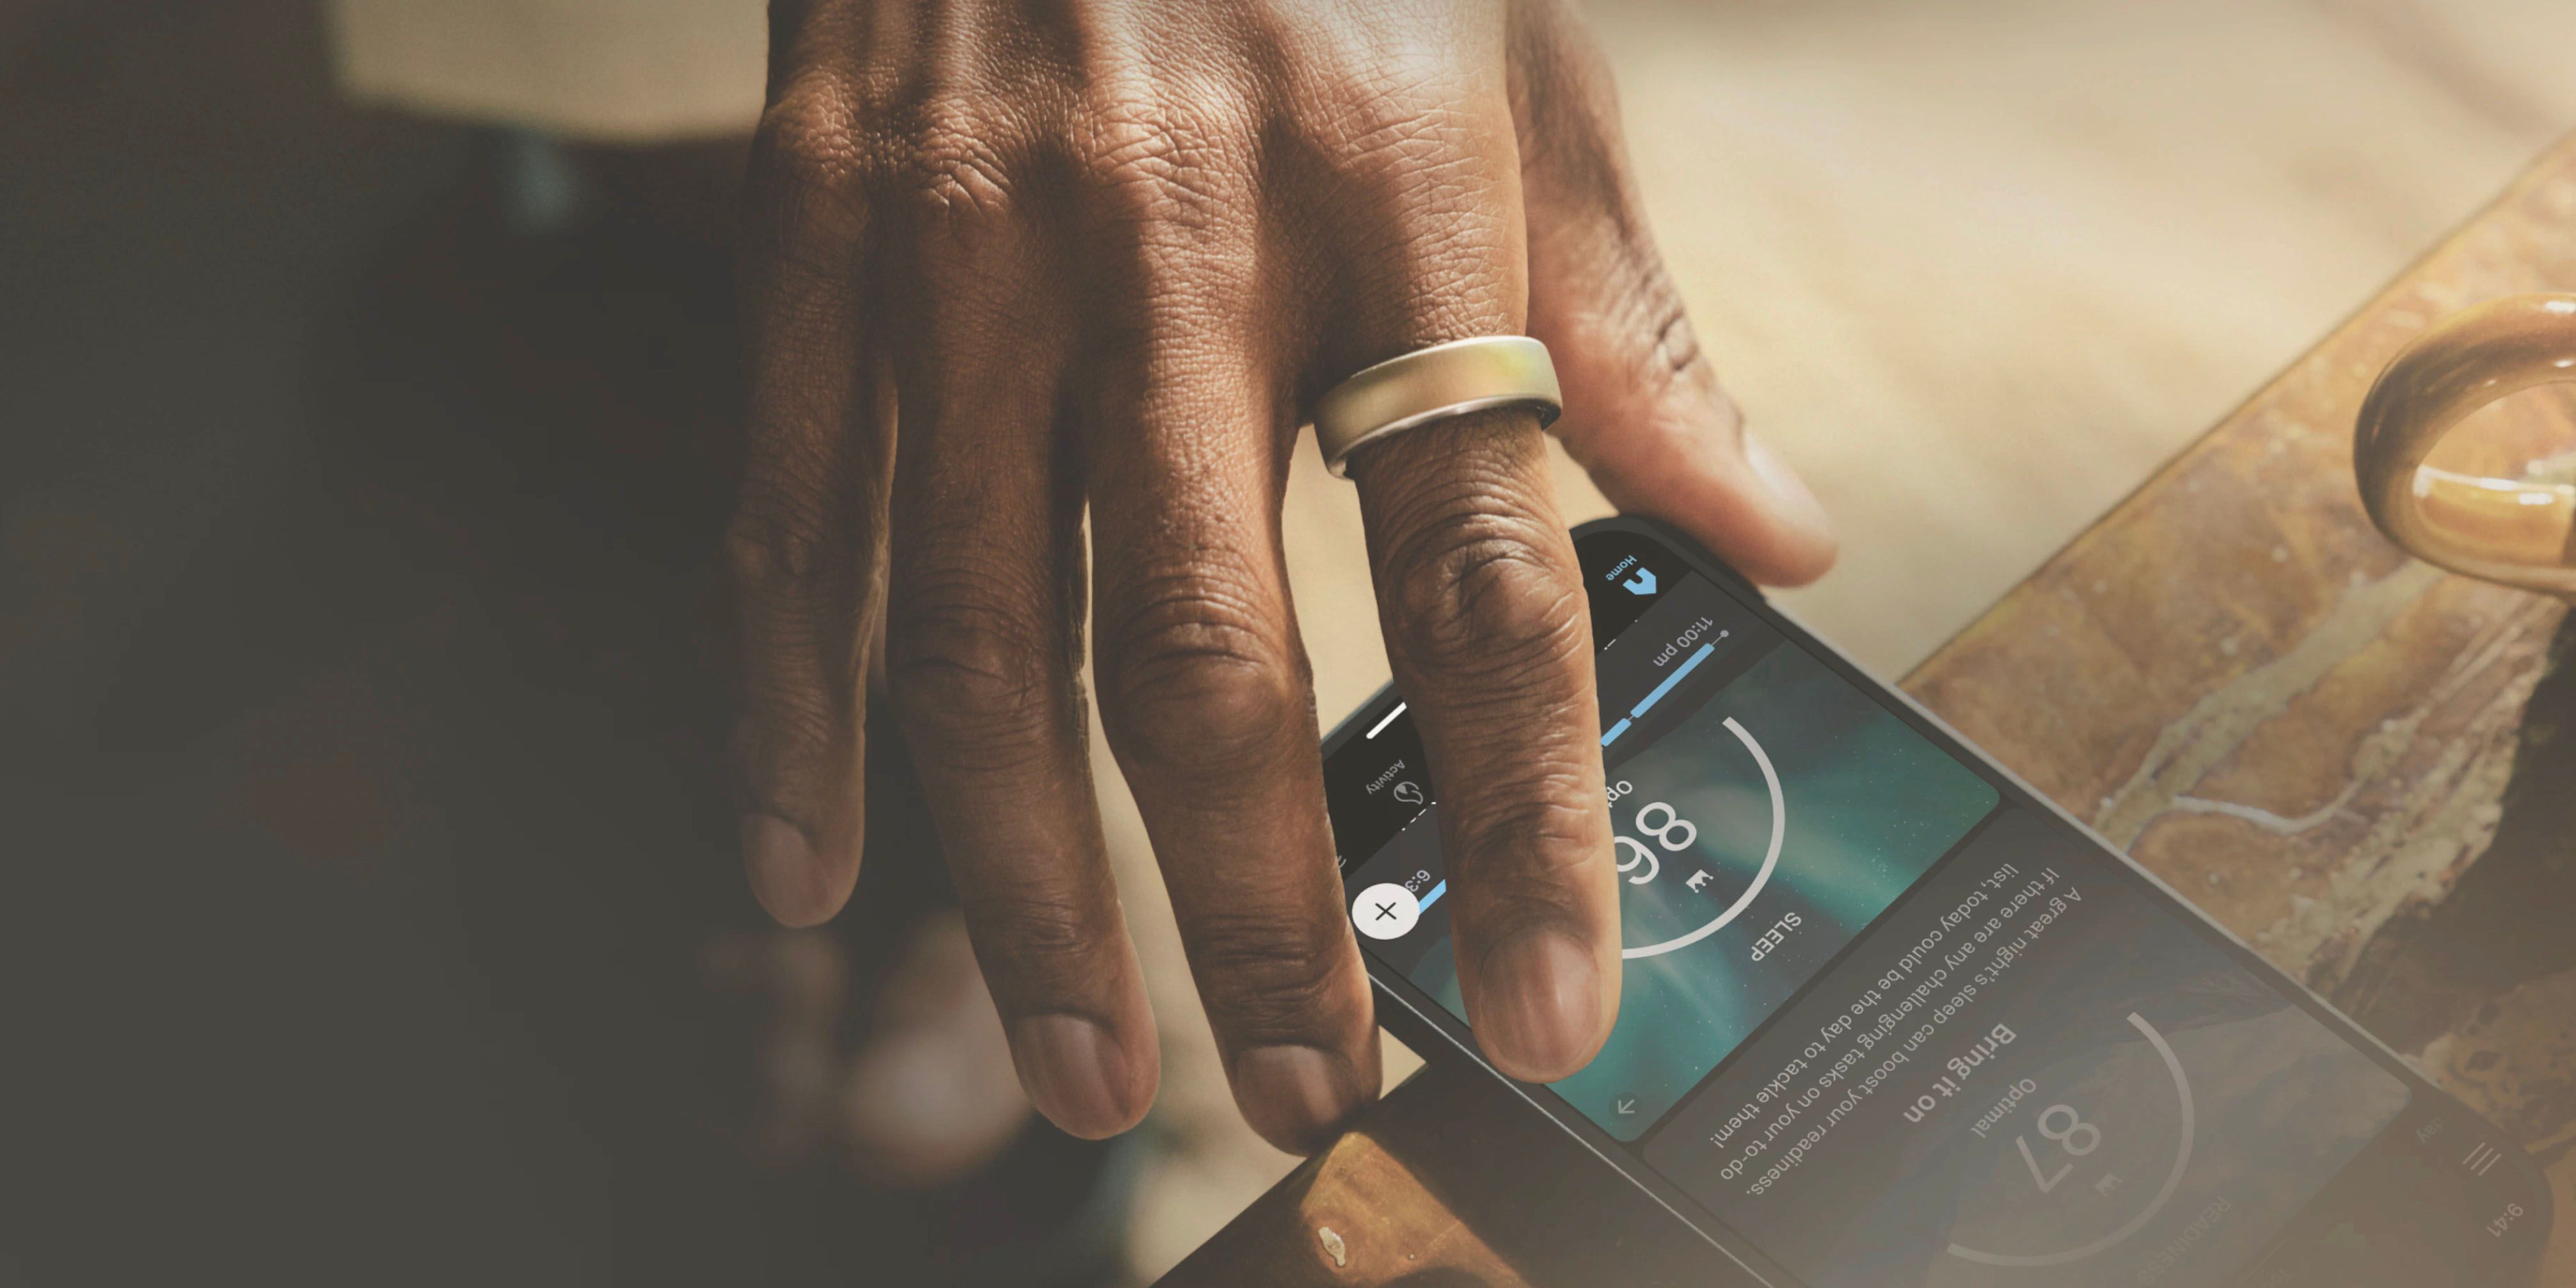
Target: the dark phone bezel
(1422, 1023)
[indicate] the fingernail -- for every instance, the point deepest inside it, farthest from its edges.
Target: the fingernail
(1797, 503)
(1073, 1073)
(1296, 1096)
(785, 876)
(1539, 1006)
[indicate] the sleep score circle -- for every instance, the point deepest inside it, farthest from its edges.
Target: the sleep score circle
(1386, 911)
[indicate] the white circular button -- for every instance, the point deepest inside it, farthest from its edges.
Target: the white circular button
(1386, 911)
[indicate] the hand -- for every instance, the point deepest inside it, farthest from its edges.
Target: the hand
(1013, 261)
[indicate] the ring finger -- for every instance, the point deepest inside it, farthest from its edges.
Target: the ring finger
(1482, 605)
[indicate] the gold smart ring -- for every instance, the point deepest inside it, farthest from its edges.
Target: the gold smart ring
(1435, 384)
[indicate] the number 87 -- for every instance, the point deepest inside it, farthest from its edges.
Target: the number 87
(2076, 1129)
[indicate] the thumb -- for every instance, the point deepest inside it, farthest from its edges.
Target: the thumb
(1644, 414)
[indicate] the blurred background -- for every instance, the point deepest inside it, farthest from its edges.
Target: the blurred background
(366, 376)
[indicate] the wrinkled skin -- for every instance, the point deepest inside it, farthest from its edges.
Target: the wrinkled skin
(1012, 263)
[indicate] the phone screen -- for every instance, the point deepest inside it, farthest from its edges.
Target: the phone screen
(1887, 1020)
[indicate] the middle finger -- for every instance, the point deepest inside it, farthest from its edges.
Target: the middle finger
(1205, 691)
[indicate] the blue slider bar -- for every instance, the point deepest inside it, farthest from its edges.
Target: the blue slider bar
(1432, 898)
(1660, 690)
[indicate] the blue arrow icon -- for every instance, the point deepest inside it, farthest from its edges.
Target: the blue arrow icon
(1641, 584)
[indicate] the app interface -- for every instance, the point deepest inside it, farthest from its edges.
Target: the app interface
(1888, 1026)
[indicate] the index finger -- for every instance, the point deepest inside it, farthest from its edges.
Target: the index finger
(1491, 640)
(806, 543)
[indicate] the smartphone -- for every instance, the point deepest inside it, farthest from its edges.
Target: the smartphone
(1889, 1017)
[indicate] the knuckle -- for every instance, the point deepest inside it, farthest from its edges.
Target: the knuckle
(980, 674)
(791, 569)
(1546, 826)
(1658, 350)
(1195, 678)
(1477, 594)
(959, 176)
(1267, 974)
(1676, 349)
(1640, 313)
(781, 537)
(784, 725)
(1126, 142)
(1044, 939)
(796, 677)
(812, 150)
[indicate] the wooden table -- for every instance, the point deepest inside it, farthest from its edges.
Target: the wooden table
(2362, 766)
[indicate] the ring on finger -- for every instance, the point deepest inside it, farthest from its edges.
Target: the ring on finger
(1427, 385)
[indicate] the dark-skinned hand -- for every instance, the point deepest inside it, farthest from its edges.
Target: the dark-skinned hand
(1012, 263)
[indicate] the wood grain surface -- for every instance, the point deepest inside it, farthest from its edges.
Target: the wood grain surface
(2352, 760)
